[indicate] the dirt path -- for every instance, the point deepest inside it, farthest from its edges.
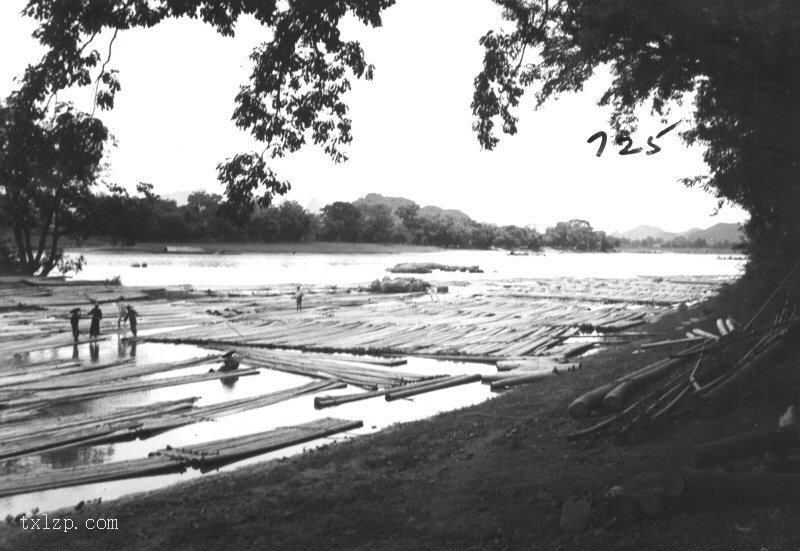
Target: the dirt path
(493, 476)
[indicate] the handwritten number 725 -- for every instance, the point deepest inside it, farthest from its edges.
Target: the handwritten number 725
(627, 142)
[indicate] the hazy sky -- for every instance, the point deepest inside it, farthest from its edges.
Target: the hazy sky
(411, 126)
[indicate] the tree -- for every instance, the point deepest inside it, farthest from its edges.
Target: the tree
(48, 164)
(294, 220)
(378, 223)
(294, 94)
(740, 60)
(575, 235)
(341, 221)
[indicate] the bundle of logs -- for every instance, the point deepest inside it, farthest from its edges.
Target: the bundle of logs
(709, 373)
(753, 466)
(750, 467)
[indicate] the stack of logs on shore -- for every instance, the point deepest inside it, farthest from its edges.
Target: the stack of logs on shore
(750, 467)
(753, 466)
(704, 377)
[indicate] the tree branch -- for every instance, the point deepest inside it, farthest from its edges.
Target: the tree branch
(103, 70)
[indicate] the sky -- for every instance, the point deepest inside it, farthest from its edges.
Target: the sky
(411, 126)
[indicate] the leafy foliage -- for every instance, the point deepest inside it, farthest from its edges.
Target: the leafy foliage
(739, 60)
(48, 164)
(295, 92)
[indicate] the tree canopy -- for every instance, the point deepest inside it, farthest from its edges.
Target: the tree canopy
(48, 162)
(738, 60)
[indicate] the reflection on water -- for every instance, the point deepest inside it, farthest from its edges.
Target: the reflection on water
(260, 270)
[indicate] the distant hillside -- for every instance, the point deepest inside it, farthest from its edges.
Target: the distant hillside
(718, 233)
(395, 202)
(378, 199)
(430, 211)
(642, 232)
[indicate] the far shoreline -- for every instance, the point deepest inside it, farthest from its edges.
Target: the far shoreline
(327, 247)
(214, 247)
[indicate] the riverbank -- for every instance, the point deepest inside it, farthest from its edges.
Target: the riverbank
(492, 476)
(214, 247)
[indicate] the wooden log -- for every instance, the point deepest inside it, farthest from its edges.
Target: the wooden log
(702, 485)
(321, 402)
(614, 400)
(722, 328)
(706, 334)
(86, 474)
(211, 455)
(674, 342)
(642, 377)
(591, 401)
(435, 385)
(736, 380)
(578, 349)
(515, 380)
(746, 444)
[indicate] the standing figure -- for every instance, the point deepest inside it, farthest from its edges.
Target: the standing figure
(120, 313)
(130, 317)
(299, 297)
(434, 292)
(94, 328)
(75, 317)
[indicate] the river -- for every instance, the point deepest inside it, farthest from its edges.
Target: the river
(264, 269)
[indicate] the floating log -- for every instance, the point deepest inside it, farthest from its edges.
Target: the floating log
(434, 385)
(321, 402)
(722, 328)
(746, 444)
(39, 481)
(210, 455)
(51, 397)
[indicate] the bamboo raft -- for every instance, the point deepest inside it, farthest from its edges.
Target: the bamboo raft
(507, 320)
(517, 322)
(214, 454)
(204, 456)
(72, 431)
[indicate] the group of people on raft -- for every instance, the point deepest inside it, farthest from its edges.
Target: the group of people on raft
(125, 315)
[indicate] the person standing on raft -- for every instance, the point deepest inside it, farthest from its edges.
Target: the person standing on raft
(130, 317)
(94, 328)
(299, 297)
(74, 318)
(120, 313)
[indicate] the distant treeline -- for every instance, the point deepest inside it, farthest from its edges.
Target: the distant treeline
(126, 219)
